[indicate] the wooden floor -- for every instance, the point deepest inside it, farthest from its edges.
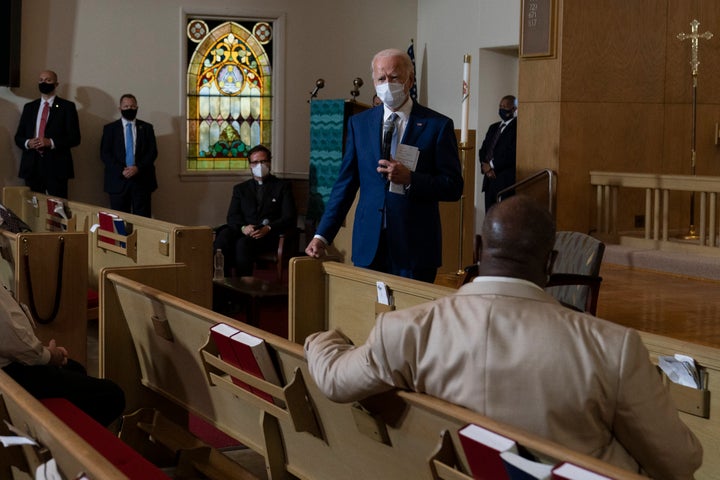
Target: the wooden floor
(666, 304)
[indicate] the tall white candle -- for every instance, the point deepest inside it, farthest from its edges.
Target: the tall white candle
(465, 105)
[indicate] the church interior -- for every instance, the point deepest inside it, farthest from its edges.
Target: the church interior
(618, 131)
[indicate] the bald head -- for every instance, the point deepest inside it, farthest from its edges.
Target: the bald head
(518, 236)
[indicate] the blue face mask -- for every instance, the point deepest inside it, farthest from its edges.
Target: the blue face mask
(505, 114)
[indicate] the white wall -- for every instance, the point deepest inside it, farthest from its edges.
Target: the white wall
(103, 48)
(489, 30)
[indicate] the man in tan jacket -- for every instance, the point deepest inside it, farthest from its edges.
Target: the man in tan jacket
(504, 348)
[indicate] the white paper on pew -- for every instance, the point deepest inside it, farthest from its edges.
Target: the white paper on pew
(94, 227)
(383, 297)
(12, 441)
(680, 369)
(19, 439)
(48, 471)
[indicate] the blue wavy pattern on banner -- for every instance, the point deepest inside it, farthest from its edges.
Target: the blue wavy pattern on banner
(326, 133)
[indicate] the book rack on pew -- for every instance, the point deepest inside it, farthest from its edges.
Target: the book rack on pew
(57, 224)
(294, 395)
(123, 244)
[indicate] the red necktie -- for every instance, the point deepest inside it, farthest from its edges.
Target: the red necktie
(43, 119)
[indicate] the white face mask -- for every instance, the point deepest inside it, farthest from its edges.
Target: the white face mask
(260, 170)
(392, 94)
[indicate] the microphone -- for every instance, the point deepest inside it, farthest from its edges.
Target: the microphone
(388, 129)
(319, 83)
(357, 83)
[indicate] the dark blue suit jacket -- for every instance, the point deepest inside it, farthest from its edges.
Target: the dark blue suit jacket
(63, 128)
(413, 220)
(112, 152)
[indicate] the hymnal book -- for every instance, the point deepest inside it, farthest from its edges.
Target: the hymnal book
(119, 226)
(111, 223)
(56, 210)
(521, 468)
(221, 334)
(482, 449)
(254, 357)
(568, 471)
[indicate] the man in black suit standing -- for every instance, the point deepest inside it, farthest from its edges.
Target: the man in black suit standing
(260, 210)
(128, 149)
(497, 153)
(48, 129)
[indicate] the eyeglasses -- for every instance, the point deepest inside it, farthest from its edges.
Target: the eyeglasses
(258, 162)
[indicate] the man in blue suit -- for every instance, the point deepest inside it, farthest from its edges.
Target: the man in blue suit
(397, 222)
(128, 149)
(47, 130)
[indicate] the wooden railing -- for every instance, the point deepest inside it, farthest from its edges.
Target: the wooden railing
(704, 227)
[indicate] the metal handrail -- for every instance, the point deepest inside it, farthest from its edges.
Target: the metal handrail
(551, 177)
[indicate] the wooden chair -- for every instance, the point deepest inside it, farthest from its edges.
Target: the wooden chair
(278, 258)
(575, 279)
(288, 246)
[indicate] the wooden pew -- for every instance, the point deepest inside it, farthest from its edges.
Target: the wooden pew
(345, 299)
(311, 437)
(85, 255)
(72, 454)
(153, 242)
(42, 270)
(699, 409)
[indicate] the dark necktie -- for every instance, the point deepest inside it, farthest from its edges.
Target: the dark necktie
(491, 150)
(389, 136)
(129, 146)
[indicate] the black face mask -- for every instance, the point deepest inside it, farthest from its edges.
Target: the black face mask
(505, 114)
(46, 88)
(129, 114)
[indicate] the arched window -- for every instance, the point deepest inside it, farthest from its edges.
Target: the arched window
(229, 92)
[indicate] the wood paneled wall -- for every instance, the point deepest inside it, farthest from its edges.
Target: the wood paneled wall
(617, 96)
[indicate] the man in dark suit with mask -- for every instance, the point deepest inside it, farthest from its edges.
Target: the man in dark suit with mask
(497, 153)
(260, 210)
(128, 150)
(48, 129)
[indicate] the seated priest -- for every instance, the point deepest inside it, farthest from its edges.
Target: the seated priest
(46, 371)
(260, 210)
(504, 348)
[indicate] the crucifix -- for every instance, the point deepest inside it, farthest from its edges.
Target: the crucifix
(694, 37)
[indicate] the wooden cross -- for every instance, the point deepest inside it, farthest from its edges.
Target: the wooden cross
(694, 36)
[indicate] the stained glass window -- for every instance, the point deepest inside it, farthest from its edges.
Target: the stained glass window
(229, 92)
